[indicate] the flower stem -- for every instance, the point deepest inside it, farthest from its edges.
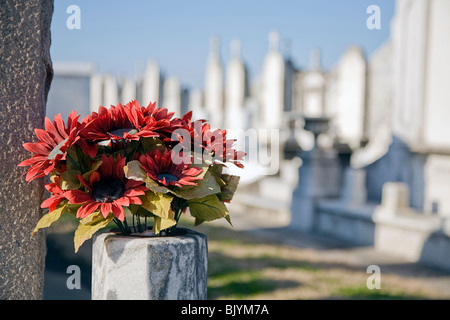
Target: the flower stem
(180, 205)
(120, 225)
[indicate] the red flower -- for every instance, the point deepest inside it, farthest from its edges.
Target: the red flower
(212, 144)
(52, 145)
(129, 122)
(57, 195)
(157, 113)
(163, 170)
(107, 189)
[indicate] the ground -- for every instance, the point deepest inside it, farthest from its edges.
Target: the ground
(268, 263)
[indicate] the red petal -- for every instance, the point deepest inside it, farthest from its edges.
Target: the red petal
(77, 196)
(29, 162)
(47, 202)
(106, 209)
(38, 148)
(133, 193)
(118, 211)
(107, 166)
(94, 178)
(135, 200)
(50, 128)
(60, 126)
(87, 209)
(45, 137)
(124, 201)
(119, 167)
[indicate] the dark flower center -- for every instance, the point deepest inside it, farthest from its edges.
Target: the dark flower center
(168, 176)
(108, 190)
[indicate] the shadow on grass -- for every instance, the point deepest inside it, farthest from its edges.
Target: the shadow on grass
(244, 284)
(241, 278)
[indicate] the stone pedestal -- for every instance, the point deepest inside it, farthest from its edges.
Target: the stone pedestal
(320, 177)
(354, 187)
(150, 268)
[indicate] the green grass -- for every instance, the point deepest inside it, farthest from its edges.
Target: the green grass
(239, 284)
(362, 292)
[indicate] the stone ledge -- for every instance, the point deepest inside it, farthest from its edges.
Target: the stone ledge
(409, 219)
(364, 212)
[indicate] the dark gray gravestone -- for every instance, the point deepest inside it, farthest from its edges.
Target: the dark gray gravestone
(25, 77)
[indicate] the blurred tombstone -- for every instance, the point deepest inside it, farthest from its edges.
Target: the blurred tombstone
(172, 95)
(24, 83)
(214, 85)
(272, 90)
(151, 84)
(346, 101)
(110, 91)
(196, 104)
(235, 89)
(354, 188)
(96, 92)
(72, 87)
(128, 92)
(313, 88)
(320, 177)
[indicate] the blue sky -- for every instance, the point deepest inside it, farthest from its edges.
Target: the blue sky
(121, 35)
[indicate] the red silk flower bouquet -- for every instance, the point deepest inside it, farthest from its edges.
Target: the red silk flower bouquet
(132, 161)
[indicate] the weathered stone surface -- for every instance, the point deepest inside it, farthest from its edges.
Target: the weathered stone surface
(25, 77)
(150, 268)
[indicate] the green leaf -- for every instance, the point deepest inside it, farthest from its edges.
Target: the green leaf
(163, 223)
(69, 181)
(216, 171)
(77, 160)
(157, 203)
(94, 167)
(72, 208)
(134, 171)
(151, 143)
(154, 186)
(208, 208)
(88, 226)
(205, 187)
(228, 190)
(49, 218)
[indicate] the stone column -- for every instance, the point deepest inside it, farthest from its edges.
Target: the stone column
(273, 79)
(110, 91)
(348, 106)
(235, 89)
(96, 92)
(150, 267)
(172, 95)
(151, 84)
(25, 77)
(128, 92)
(214, 86)
(320, 177)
